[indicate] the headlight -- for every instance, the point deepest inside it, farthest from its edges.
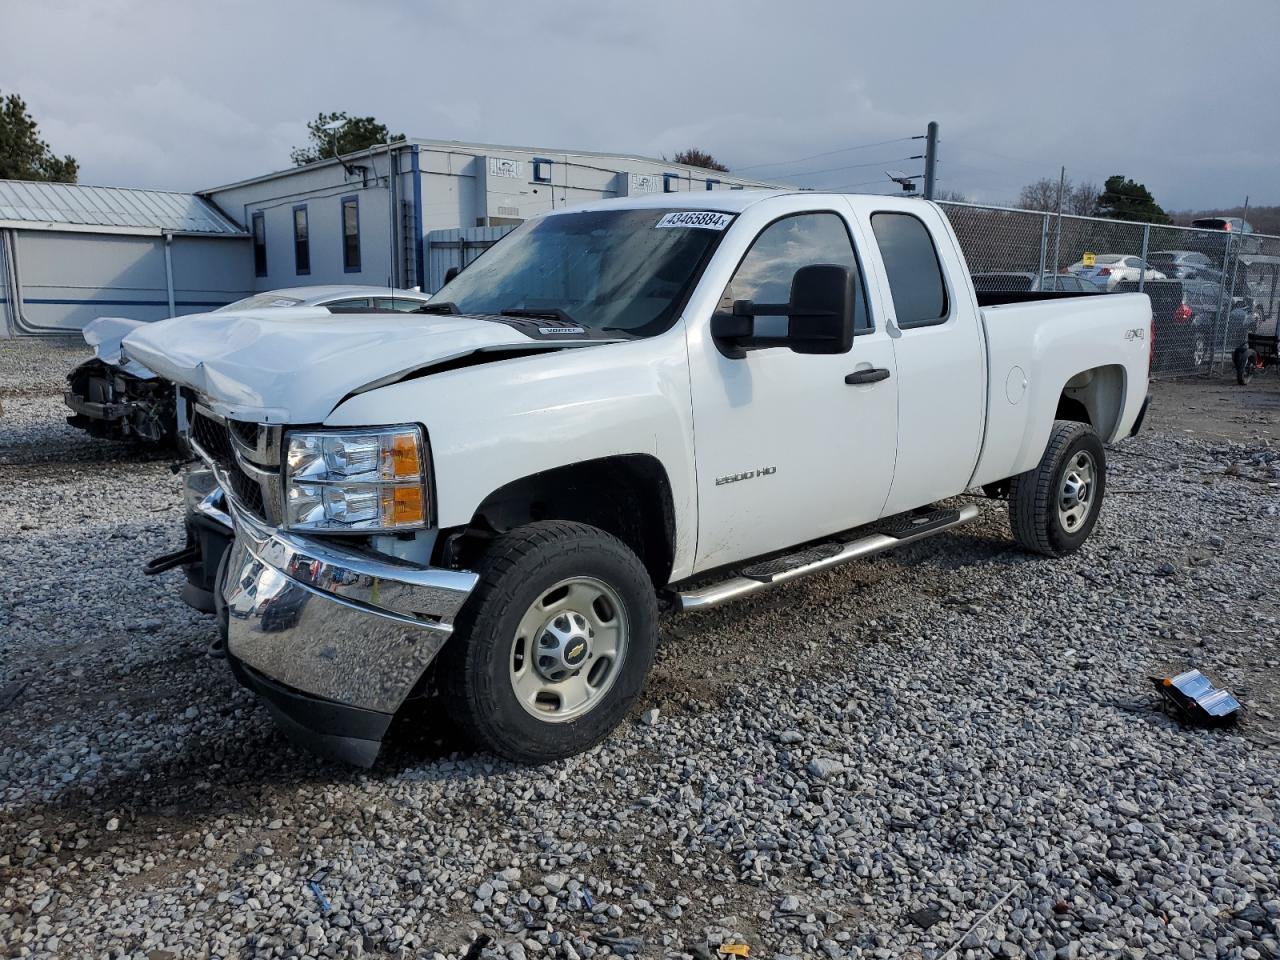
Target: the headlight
(357, 480)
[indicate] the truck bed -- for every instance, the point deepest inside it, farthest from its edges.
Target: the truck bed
(997, 298)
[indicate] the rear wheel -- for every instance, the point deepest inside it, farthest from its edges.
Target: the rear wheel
(554, 645)
(1200, 351)
(1054, 506)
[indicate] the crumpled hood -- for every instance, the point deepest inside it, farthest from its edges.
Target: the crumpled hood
(105, 335)
(295, 364)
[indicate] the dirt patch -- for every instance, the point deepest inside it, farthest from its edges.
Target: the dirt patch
(1218, 408)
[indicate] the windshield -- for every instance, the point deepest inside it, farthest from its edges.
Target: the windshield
(260, 300)
(618, 270)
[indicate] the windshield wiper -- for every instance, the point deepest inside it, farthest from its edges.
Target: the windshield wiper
(539, 313)
(439, 306)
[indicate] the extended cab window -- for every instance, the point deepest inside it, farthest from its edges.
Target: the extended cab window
(783, 247)
(915, 275)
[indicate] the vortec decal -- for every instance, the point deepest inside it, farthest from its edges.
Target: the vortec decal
(702, 219)
(749, 475)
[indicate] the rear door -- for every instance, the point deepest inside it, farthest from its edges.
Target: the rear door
(933, 323)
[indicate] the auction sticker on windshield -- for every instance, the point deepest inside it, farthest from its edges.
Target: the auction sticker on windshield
(703, 219)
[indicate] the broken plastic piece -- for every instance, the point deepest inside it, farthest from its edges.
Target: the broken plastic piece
(735, 949)
(1196, 700)
(325, 905)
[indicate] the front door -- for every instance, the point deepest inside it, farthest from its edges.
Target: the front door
(787, 449)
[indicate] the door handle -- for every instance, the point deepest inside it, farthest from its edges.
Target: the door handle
(870, 375)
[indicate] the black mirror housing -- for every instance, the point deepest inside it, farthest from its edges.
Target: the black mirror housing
(819, 315)
(451, 273)
(821, 309)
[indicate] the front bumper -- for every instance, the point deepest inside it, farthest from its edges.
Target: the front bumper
(331, 621)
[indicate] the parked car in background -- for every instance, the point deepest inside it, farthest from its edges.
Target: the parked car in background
(1016, 282)
(115, 398)
(1111, 268)
(1188, 317)
(1238, 227)
(1186, 265)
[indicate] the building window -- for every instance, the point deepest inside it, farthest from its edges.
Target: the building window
(670, 182)
(541, 170)
(259, 245)
(711, 183)
(301, 242)
(351, 234)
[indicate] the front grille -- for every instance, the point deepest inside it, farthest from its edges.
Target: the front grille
(213, 436)
(247, 432)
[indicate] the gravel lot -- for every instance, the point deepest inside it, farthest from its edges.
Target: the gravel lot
(866, 764)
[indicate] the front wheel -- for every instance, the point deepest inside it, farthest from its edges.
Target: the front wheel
(553, 647)
(1054, 506)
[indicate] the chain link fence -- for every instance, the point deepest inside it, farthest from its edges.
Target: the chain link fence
(1209, 289)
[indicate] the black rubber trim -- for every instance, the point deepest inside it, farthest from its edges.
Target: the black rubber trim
(1142, 415)
(908, 525)
(350, 734)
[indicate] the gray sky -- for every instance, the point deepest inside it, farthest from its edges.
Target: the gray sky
(1180, 94)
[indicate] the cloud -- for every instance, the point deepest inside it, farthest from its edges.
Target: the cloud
(188, 96)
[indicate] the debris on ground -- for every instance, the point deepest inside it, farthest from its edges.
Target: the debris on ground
(1194, 699)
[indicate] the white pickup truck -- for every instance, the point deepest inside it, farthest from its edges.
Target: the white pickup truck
(661, 401)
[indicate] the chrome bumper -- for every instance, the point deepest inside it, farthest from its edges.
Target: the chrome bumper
(331, 621)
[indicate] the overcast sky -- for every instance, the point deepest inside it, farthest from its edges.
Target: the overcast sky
(1180, 95)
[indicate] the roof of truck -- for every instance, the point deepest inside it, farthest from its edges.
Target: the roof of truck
(725, 201)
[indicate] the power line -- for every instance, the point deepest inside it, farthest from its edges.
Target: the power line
(853, 166)
(829, 153)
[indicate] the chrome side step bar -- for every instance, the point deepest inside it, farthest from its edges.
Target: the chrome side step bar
(813, 560)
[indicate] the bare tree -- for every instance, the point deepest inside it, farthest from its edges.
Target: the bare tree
(950, 196)
(699, 158)
(1082, 199)
(1040, 195)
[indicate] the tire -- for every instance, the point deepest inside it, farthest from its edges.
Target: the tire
(1074, 465)
(1244, 360)
(513, 634)
(1199, 351)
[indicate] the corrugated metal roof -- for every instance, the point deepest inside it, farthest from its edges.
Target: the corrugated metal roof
(54, 206)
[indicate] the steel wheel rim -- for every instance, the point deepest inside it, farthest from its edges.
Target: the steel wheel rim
(553, 678)
(1075, 491)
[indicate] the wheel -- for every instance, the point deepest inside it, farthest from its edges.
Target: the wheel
(1200, 351)
(1054, 506)
(553, 646)
(1245, 361)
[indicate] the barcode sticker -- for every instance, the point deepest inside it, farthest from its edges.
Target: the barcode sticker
(702, 219)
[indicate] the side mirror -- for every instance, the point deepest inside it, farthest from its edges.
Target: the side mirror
(451, 273)
(819, 315)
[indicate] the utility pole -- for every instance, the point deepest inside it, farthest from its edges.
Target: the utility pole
(1057, 234)
(930, 159)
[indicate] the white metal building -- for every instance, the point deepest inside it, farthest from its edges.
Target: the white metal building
(401, 214)
(394, 215)
(69, 253)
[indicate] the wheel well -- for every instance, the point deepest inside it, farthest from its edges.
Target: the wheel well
(628, 496)
(1095, 397)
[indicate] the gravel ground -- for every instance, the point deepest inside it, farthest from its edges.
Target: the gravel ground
(948, 752)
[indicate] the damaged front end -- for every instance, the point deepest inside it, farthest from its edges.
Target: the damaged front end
(112, 404)
(333, 636)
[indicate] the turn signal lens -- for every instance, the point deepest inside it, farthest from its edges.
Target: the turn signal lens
(403, 506)
(401, 457)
